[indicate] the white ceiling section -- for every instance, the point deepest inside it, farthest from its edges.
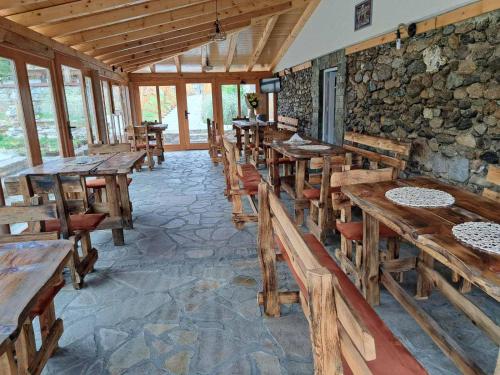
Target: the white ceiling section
(331, 26)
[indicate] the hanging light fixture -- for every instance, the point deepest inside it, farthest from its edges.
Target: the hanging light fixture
(219, 35)
(206, 63)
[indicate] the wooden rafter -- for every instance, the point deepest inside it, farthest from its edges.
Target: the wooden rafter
(262, 41)
(311, 6)
(231, 50)
(177, 61)
(194, 14)
(16, 3)
(166, 43)
(120, 16)
(68, 10)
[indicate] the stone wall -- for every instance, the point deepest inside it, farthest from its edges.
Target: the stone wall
(294, 99)
(440, 91)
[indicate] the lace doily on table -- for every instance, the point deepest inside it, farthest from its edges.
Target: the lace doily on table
(483, 236)
(314, 147)
(420, 197)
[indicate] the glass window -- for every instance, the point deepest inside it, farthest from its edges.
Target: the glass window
(91, 109)
(109, 112)
(169, 115)
(13, 155)
(75, 107)
(229, 105)
(245, 89)
(119, 118)
(200, 107)
(44, 110)
(149, 103)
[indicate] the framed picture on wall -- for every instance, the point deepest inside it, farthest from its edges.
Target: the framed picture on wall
(363, 14)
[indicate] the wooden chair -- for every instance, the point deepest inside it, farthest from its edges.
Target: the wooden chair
(214, 142)
(346, 333)
(320, 218)
(75, 218)
(351, 232)
(138, 137)
(241, 180)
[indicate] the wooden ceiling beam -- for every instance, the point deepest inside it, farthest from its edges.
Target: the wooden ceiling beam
(113, 17)
(6, 4)
(262, 42)
(136, 37)
(231, 50)
(197, 12)
(309, 9)
(68, 10)
(177, 61)
(115, 56)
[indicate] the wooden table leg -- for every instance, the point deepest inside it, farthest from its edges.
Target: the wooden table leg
(159, 143)
(274, 170)
(247, 144)
(125, 201)
(371, 261)
(424, 284)
(300, 176)
(238, 138)
(114, 208)
(7, 361)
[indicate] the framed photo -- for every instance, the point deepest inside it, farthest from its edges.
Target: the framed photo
(363, 14)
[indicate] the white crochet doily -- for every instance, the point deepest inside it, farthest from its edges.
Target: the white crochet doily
(420, 197)
(482, 236)
(314, 147)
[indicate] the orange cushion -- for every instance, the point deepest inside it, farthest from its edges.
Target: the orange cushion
(353, 230)
(392, 356)
(314, 193)
(100, 183)
(85, 222)
(45, 298)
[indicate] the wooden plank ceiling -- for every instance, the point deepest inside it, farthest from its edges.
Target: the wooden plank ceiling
(168, 35)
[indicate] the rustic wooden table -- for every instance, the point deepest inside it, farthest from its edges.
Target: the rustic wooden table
(301, 158)
(114, 168)
(27, 270)
(246, 127)
(157, 130)
(430, 229)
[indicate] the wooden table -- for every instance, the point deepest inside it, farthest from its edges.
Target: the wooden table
(157, 130)
(246, 127)
(27, 270)
(114, 168)
(301, 158)
(430, 231)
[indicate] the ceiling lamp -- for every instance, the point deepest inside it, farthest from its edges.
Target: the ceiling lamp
(219, 35)
(206, 67)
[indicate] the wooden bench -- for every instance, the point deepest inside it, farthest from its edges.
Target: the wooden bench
(138, 136)
(30, 278)
(214, 142)
(347, 335)
(241, 180)
(320, 218)
(74, 220)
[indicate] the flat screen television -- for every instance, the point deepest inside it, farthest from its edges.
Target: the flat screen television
(270, 85)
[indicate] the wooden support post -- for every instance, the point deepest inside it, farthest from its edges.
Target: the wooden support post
(300, 177)
(114, 208)
(25, 347)
(125, 201)
(99, 107)
(267, 255)
(7, 361)
(371, 288)
(424, 284)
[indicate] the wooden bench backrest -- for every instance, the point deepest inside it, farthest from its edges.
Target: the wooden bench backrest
(335, 163)
(230, 157)
(137, 136)
(493, 177)
(99, 149)
(288, 123)
(398, 150)
(325, 304)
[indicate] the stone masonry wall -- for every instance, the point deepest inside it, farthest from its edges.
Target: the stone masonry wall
(294, 100)
(440, 91)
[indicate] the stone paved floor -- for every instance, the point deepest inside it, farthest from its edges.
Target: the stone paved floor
(180, 297)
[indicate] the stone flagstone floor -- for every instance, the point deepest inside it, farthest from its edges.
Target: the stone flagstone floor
(180, 296)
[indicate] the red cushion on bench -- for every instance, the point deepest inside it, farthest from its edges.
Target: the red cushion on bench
(85, 222)
(353, 230)
(100, 183)
(392, 356)
(45, 298)
(314, 193)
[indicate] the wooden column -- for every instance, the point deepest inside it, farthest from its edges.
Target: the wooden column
(99, 107)
(371, 261)
(300, 176)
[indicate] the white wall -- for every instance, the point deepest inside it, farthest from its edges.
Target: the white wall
(331, 26)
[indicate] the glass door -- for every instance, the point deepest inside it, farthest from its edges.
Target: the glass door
(89, 92)
(329, 87)
(117, 105)
(169, 113)
(75, 108)
(230, 106)
(199, 107)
